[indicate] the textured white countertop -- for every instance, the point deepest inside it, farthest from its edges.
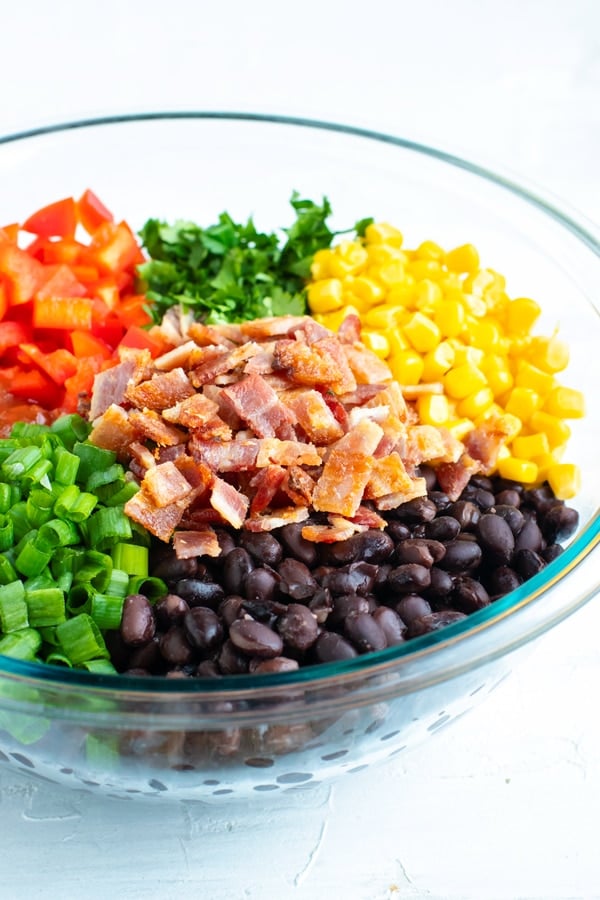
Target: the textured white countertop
(504, 804)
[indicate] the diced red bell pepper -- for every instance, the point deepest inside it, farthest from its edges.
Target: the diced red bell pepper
(55, 220)
(92, 213)
(21, 272)
(85, 345)
(10, 232)
(139, 339)
(58, 365)
(61, 283)
(62, 312)
(3, 300)
(67, 251)
(34, 385)
(132, 311)
(114, 247)
(12, 334)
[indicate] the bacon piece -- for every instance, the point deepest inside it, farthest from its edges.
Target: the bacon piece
(175, 358)
(298, 485)
(314, 416)
(453, 477)
(110, 386)
(201, 542)
(321, 363)
(272, 326)
(391, 395)
(199, 475)
(349, 330)
(368, 517)
(199, 414)
(394, 437)
(286, 453)
(392, 501)
(339, 529)
(388, 476)
(228, 502)
(162, 390)
(230, 456)
(258, 405)
(205, 335)
(366, 367)
(265, 484)
(261, 363)
(161, 522)
(310, 331)
(484, 442)
(165, 484)
(347, 470)
(425, 443)
(113, 430)
(375, 413)
(150, 425)
(142, 455)
(277, 519)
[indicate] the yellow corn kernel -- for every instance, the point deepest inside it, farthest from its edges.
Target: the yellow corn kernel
(376, 342)
(564, 479)
(381, 254)
(458, 428)
(565, 402)
(450, 317)
(382, 233)
(424, 268)
(429, 250)
(463, 380)
(402, 294)
(475, 404)
(548, 353)
(547, 460)
(320, 265)
(422, 332)
(396, 340)
(475, 305)
(353, 253)
(449, 282)
(557, 431)
(388, 274)
(522, 402)
(531, 446)
(437, 362)
(503, 453)
(384, 316)
(478, 282)
(532, 377)
(406, 367)
(463, 259)
(325, 296)
(433, 409)
(339, 266)
(518, 469)
(368, 290)
(335, 319)
(521, 314)
(427, 295)
(350, 298)
(465, 354)
(498, 374)
(484, 334)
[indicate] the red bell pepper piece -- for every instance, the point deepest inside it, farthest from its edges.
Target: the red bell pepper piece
(34, 385)
(91, 212)
(12, 334)
(22, 274)
(58, 365)
(61, 283)
(62, 312)
(114, 247)
(139, 339)
(85, 345)
(55, 220)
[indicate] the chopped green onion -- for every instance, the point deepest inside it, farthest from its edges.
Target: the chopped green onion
(56, 658)
(7, 572)
(48, 635)
(70, 429)
(22, 644)
(20, 519)
(28, 430)
(39, 507)
(118, 583)
(106, 610)
(107, 526)
(21, 461)
(66, 466)
(45, 606)
(120, 498)
(33, 558)
(13, 608)
(101, 478)
(99, 666)
(74, 504)
(132, 558)
(64, 582)
(58, 533)
(9, 495)
(95, 568)
(7, 532)
(81, 640)
(79, 599)
(152, 588)
(92, 459)
(38, 472)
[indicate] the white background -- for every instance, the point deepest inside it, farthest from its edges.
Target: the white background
(506, 803)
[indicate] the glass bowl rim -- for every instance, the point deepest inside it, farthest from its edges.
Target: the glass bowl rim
(126, 686)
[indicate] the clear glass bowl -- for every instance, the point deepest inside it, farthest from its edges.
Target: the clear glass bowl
(213, 739)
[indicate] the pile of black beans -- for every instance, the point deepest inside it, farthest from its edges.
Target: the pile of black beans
(272, 602)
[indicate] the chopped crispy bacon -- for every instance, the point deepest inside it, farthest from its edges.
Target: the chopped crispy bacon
(162, 390)
(321, 363)
(298, 485)
(151, 426)
(143, 456)
(390, 395)
(199, 475)
(314, 415)
(394, 435)
(375, 413)
(175, 358)
(165, 484)
(349, 330)
(310, 331)
(286, 453)
(339, 529)
(205, 335)
(259, 406)
(347, 470)
(259, 329)
(388, 476)
(230, 456)
(425, 443)
(159, 522)
(483, 443)
(391, 501)
(368, 517)
(366, 367)
(453, 477)
(266, 484)
(199, 414)
(261, 363)
(277, 519)
(201, 542)
(229, 502)
(113, 430)
(110, 386)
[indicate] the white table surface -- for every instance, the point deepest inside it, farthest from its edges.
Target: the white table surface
(505, 804)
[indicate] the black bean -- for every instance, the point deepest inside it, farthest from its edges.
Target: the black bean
(332, 647)
(528, 563)
(226, 543)
(483, 499)
(208, 668)
(469, 595)
(502, 581)
(466, 513)
(347, 605)
(170, 610)
(412, 607)
(261, 584)
(197, 592)
(398, 531)
(236, 567)
(461, 555)
(529, 537)
(276, 666)
(418, 510)
(540, 498)
(380, 583)
(419, 550)
(298, 627)
(118, 649)
(496, 538)
(508, 497)
(297, 581)
(137, 621)
(428, 473)
(440, 585)
(365, 633)
(443, 528)
(170, 568)
(441, 500)
(435, 621)
(262, 546)
(357, 578)
(321, 605)
(372, 546)
(203, 628)
(231, 661)
(559, 523)
(507, 484)
(255, 639)
(552, 552)
(296, 545)
(409, 579)
(265, 611)
(339, 553)
(175, 647)
(512, 516)
(231, 608)
(483, 482)
(147, 656)
(391, 624)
